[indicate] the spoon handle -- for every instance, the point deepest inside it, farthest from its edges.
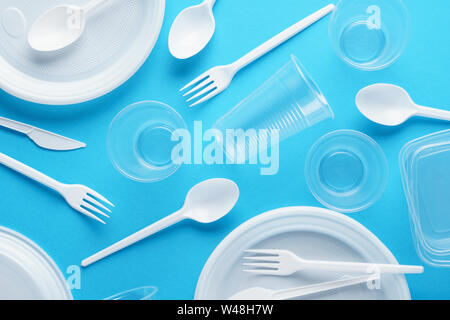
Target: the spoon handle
(282, 37)
(433, 113)
(92, 5)
(138, 236)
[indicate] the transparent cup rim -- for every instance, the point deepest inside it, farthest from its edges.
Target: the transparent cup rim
(312, 85)
(370, 67)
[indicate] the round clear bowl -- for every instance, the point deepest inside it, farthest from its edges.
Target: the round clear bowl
(140, 142)
(346, 171)
(369, 35)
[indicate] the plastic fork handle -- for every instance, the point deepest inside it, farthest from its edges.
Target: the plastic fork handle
(321, 287)
(15, 125)
(281, 37)
(433, 113)
(93, 4)
(30, 172)
(138, 236)
(362, 267)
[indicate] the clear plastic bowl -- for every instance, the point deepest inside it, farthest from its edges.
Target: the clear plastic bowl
(139, 141)
(426, 181)
(346, 171)
(288, 102)
(368, 34)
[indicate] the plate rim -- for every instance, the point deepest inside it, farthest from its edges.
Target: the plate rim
(231, 237)
(19, 238)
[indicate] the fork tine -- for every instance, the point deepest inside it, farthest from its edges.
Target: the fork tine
(207, 97)
(97, 203)
(262, 265)
(262, 271)
(264, 251)
(210, 87)
(92, 208)
(199, 86)
(90, 215)
(200, 77)
(99, 196)
(264, 258)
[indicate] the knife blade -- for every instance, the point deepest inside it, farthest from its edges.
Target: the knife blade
(42, 138)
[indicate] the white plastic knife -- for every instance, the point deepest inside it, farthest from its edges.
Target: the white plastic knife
(44, 139)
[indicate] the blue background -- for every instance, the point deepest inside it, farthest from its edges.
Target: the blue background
(173, 260)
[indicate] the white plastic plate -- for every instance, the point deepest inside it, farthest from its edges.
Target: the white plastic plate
(312, 233)
(27, 272)
(117, 40)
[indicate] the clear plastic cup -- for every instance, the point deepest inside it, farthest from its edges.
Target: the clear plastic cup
(369, 34)
(287, 103)
(140, 142)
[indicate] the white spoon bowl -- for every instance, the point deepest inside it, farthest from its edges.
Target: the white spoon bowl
(192, 30)
(60, 26)
(391, 105)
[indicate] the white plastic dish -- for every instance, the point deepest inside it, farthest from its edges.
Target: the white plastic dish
(27, 272)
(118, 39)
(312, 233)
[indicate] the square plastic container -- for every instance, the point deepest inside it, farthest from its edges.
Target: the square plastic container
(424, 164)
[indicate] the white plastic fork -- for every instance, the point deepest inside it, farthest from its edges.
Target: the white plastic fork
(285, 263)
(79, 197)
(217, 79)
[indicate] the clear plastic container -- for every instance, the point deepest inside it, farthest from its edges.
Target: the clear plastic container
(346, 171)
(139, 141)
(288, 102)
(369, 34)
(424, 164)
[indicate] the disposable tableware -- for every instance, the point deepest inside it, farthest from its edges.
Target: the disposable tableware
(285, 263)
(217, 79)
(141, 293)
(258, 293)
(424, 165)
(346, 171)
(112, 49)
(192, 29)
(60, 26)
(140, 141)
(206, 202)
(42, 138)
(391, 105)
(284, 105)
(369, 35)
(314, 234)
(27, 272)
(79, 197)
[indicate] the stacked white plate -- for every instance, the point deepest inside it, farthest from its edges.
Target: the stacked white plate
(27, 272)
(117, 40)
(311, 233)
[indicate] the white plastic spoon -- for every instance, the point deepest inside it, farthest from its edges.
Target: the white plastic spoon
(60, 26)
(192, 30)
(391, 105)
(206, 202)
